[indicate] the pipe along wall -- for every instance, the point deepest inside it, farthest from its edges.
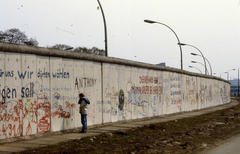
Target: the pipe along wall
(41, 88)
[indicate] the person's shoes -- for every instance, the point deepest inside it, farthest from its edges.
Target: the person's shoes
(83, 132)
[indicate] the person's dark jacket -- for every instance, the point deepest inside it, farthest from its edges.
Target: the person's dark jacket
(84, 98)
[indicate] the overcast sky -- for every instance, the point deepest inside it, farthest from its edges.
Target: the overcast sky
(213, 26)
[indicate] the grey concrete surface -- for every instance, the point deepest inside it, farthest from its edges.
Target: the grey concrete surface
(231, 147)
(25, 143)
(18, 48)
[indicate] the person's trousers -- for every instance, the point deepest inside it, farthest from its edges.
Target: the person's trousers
(84, 122)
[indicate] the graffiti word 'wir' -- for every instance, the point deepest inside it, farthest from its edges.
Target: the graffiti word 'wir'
(26, 74)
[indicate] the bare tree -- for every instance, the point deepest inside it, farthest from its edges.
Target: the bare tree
(32, 42)
(15, 36)
(94, 50)
(60, 47)
(98, 51)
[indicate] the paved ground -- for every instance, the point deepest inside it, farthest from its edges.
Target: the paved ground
(40, 140)
(231, 147)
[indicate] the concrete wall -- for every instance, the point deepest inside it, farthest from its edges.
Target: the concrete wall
(41, 87)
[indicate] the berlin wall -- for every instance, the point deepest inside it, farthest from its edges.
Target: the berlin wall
(41, 88)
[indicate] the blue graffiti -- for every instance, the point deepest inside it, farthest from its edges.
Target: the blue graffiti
(43, 74)
(176, 79)
(1, 73)
(165, 80)
(7, 73)
(27, 92)
(165, 88)
(26, 74)
(143, 108)
(175, 86)
(154, 105)
(134, 96)
(61, 74)
(7, 92)
(176, 93)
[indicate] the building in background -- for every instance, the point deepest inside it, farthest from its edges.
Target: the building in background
(161, 64)
(234, 87)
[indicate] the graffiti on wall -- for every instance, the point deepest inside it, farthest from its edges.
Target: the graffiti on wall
(223, 93)
(175, 92)
(29, 107)
(121, 100)
(33, 111)
(140, 98)
(191, 94)
(209, 94)
(202, 93)
(216, 94)
(146, 89)
(60, 73)
(84, 82)
(166, 94)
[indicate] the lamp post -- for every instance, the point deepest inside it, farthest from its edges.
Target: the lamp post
(151, 22)
(206, 71)
(183, 44)
(222, 73)
(194, 54)
(196, 68)
(105, 28)
(228, 73)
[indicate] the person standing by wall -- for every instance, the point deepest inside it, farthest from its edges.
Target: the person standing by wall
(84, 102)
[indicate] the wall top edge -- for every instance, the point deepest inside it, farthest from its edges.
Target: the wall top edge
(16, 48)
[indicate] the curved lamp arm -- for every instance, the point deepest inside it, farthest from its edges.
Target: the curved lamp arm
(196, 68)
(182, 44)
(151, 22)
(206, 70)
(206, 59)
(105, 29)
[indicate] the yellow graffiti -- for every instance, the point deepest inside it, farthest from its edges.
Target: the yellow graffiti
(193, 101)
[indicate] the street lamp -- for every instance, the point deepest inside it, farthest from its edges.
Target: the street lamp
(105, 29)
(228, 73)
(183, 44)
(152, 22)
(194, 54)
(196, 68)
(222, 73)
(206, 71)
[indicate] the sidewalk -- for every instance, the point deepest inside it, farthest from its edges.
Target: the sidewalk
(41, 140)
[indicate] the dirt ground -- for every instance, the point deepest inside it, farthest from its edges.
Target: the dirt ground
(189, 135)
